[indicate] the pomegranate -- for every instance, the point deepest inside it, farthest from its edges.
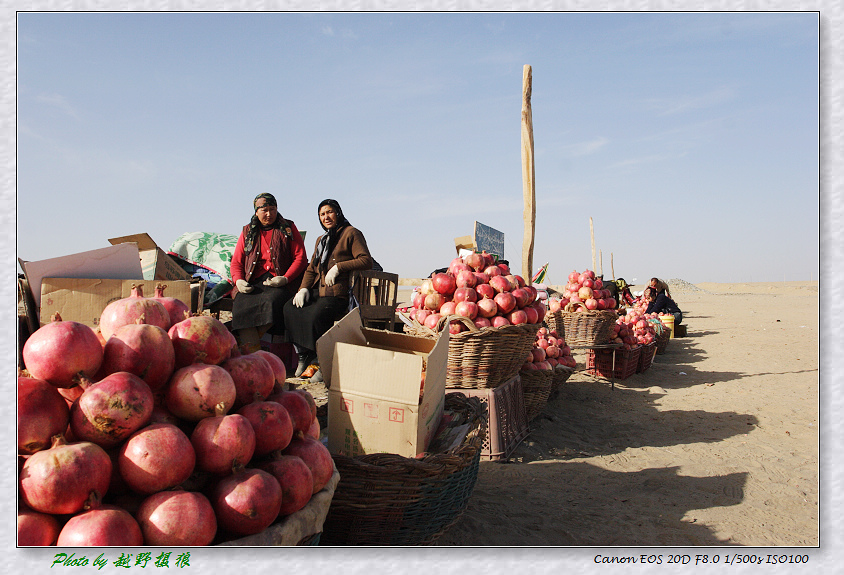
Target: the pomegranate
(177, 310)
(60, 479)
(433, 301)
(492, 271)
(271, 423)
(455, 327)
(101, 526)
(487, 308)
(247, 501)
(432, 320)
(200, 390)
(276, 364)
(252, 377)
(485, 291)
(531, 313)
(422, 315)
(298, 408)
(63, 353)
(111, 410)
(142, 349)
(448, 308)
(505, 301)
(130, 310)
(467, 309)
(517, 317)
(466, 279)
(295, 479)
(500, 321)
(522, 297)
(42, 413)
(40, 529)
(221, 441)
(201, 339)
(155, 458)
(177, 518)
(443, 283)
(584, 293)
(316, 456)
(465, 294)
(70, 394)
(500, 283)
(482, 322)
(457, 265)
(541, 310)
(314, 430)
(475, 261)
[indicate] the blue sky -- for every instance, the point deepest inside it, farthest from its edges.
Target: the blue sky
(692, 140)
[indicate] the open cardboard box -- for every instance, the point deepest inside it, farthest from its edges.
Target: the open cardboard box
(374, 379)
(155, 263)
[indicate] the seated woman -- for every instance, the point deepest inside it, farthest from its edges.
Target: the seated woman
(661, 303)
(323, 296)
(266, 266)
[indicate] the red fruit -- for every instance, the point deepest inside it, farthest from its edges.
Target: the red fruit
(492, 271)
(155, 458)
(298, 408)
(37, 529)
(59, 480)
(500, 283)
(466, 279)
(485, 291)
(295, 479)
(531, 313)
(499, 321)
(314, 430)
(447, 308)
(467, 309)
(475, 261)
(482, 322)
(487, 308)
(253, 377)
(63, 353)
(517, 317)
(177, 310)
(505, 301)
(465, 294)
(141, 349)
(42, 413)
(522, 297)
(432, 320)
(277, 365)
(271, 423)
(133, 309)
(199, 390)
(201, 339)
(247, 501)
(222, 441)
(102, 526)
(316, 456)
(111, 410)
(480, 279)
(443, 283)
(177, 519)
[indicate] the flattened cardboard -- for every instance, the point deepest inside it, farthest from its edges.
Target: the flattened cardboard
(84, 299)
(155, 263)
(374, 402)
(114, 262)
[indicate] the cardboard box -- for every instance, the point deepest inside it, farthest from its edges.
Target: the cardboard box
(155, 263)
(374, 403)
(84, 299)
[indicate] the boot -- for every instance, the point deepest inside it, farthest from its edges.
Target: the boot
(316, 377)
(305, 358)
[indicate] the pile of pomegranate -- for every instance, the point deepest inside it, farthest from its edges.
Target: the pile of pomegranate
(479, 289)
(584, 288)
(549, 351)
(158, 433)
(634, 329)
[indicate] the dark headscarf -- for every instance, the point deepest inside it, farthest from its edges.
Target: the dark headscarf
(256, 227)
(329, 240)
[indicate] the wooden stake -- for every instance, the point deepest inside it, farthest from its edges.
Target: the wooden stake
(592, 235)
(528, 190)
(612, 267)
(601, 263)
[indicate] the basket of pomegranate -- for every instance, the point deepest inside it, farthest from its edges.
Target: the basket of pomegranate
(141, 433)
(552, 348)
(387, 499)
(491, 315)
(586, 312)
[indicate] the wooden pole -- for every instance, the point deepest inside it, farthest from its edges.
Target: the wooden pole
(592, 235)
(601, 263)
(528, 190)
(612, 267)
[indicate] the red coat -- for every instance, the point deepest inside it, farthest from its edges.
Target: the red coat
(288, 255)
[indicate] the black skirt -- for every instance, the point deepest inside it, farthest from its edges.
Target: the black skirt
(305, 325)
(263, 305)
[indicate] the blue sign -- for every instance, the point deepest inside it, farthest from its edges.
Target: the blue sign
(489, 240)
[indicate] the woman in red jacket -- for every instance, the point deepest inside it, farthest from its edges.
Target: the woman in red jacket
(267, 266)
(323, 297)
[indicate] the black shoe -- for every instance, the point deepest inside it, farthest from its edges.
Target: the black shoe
(306, 357)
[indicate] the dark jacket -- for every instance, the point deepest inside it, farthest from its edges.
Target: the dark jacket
(662, 304)
(349, 254)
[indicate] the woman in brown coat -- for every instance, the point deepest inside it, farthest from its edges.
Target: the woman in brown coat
(323, 297)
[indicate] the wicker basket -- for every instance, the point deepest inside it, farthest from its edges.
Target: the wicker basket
(386, 499)
(561, 375)
(584, 328)
(554, 321)
(481, 358)
(536, 387)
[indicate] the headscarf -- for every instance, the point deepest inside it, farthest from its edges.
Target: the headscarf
(329, 240)
(256, 227)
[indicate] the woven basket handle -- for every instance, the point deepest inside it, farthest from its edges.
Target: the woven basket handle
(573, 305)
(447, 319)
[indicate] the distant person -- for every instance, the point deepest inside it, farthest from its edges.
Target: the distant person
(323, 297)
(658, 302)
(266, 266)
(660, 286)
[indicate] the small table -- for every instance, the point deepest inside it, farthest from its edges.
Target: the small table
(613, 347)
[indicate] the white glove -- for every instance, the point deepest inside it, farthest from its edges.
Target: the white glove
(331, 276)
(276, 281)
(243, 286)
(301, 297)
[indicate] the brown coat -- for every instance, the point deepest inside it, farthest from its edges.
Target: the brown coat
(349, 254)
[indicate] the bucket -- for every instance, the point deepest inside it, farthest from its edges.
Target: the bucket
(668, 321)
